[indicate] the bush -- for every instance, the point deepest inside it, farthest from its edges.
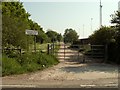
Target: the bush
(10, 66)
(28, 62)
(113, 53)
(102, 36)
(30, 67)
(12, 53)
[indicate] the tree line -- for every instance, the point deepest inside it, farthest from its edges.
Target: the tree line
(15, 20)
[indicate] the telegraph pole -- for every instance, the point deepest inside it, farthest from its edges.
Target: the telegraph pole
(83, 30)
(91, 24)
(100, 14)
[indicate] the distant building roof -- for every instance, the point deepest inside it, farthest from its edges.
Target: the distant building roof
(84, 41)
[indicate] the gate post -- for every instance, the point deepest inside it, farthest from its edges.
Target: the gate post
(20, 51)
(48, 49)
(53, 48)
(106, 52)
(64, 51)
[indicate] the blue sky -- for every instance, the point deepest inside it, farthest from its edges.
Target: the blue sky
(59, 16)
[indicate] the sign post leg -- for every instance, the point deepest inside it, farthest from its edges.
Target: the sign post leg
(35, 43)
(27, 46)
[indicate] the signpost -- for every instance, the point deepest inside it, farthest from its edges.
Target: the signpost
(32, 32)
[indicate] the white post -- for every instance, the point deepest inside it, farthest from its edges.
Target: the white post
(100, 14)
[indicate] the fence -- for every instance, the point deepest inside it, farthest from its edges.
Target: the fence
(53, 48)
(50, 49)
(10, 51)
(97, 52)
(80, 53)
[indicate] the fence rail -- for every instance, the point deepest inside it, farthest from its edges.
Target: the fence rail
(88, 51)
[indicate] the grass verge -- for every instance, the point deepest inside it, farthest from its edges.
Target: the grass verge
(28, 62)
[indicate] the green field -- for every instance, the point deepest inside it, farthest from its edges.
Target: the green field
(42, 47)
(39, 47)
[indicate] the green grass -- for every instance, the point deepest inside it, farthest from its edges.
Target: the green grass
(57, 47)
(13, 63)
(28, 62)
(43, 47)
(39, 47)
(10, 66)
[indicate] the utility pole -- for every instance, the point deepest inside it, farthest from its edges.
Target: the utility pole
(100, 14)
(91, 24)
(79, 33)
(83, 30)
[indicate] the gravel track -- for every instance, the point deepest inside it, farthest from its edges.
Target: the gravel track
(67, 74)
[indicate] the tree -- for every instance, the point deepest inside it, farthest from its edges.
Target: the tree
(52, 35)
(59, 37)
(14, 9)
(14, 22)
(104, 35)
(70, 35)
(116, 20)
(41, 37)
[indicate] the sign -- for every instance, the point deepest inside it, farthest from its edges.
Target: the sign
(119, 6)
(31, 32)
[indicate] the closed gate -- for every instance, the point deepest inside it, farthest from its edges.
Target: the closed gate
(66, 52)
(80, 53)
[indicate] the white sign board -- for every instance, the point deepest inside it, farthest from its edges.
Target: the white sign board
(119, 6)
(31, 32)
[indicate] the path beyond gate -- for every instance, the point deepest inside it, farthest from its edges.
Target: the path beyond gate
(79, 53)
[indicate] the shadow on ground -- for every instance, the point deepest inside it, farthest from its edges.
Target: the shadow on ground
(91, 68)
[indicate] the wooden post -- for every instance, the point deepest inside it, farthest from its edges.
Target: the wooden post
(20, 52)
(83, 58)
(106, 53)
(92, 47)
(27, 44)
(35, 43)
(64, 51)
(53, 48)
(78, 55)
(50, 48)
(48, 52)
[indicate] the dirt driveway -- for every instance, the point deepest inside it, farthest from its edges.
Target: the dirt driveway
(67, 74)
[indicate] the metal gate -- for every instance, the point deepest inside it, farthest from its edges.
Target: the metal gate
(80, 53)
(66, 52)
